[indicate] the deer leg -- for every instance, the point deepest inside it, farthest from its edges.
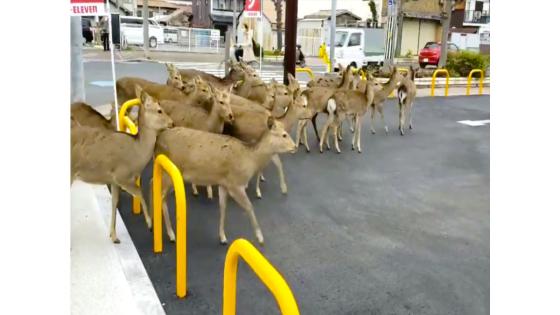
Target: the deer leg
(335, 134)
(339, 131)
(278, 163)
(410, 115)
(136, 191)
(115, 190)
(373, 119)
(380, 110)
(194, 190)
(351, 122)
(222, 196)
(359, 132)
(314, 122)
(402, 118)
(240, 196)
(258, 185)
(165, 187)
(324, 133)
(305, 139)
(299, 130)
(209, 192)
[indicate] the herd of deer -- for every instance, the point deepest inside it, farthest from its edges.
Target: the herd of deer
(222, 131)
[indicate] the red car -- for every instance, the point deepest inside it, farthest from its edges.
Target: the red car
(429, 55)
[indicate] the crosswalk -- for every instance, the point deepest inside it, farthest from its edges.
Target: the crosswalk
(268, 73)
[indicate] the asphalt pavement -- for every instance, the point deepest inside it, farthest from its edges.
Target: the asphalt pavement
(402, 228)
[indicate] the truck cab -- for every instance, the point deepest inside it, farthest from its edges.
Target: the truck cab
(359, 47)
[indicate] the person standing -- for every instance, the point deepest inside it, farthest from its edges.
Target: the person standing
(105, 33)
(248, 55)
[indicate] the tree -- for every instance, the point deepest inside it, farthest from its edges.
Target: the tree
(278, 7)
(373, 9)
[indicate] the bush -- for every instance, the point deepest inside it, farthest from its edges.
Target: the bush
(256, 49)
(461, 63)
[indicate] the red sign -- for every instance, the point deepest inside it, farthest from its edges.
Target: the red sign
(87, 7)
(253, 8)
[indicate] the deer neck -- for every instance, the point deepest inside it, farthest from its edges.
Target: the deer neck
(145, 140)
(389, 86)
(214, 122)
(290, 118)
(263, 152)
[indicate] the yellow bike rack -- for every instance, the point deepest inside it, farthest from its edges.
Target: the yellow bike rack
(480, 82)
(446, 80)
(124, 120)
(264, 270)
(307, 70)
(163, 162)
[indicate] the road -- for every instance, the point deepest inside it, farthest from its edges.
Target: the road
(402, 228)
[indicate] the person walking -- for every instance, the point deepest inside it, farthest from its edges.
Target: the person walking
(105, 33)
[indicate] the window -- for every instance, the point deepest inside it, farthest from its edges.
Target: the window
(355, 40)
(340, 38)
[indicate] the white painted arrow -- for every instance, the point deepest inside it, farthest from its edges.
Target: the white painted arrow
(474, 123)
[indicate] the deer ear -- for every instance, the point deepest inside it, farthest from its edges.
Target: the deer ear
(138, 91)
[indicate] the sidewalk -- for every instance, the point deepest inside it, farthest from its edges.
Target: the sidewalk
(106, 278)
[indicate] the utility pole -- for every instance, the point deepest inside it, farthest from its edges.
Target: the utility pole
(400, 21)
(234, 22)
(77, 91)
(145, 26)
(332, 33)
(444, 35)
(290, 43)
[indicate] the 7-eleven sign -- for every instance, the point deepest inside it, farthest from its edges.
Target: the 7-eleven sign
(253, 8)
(87, 7)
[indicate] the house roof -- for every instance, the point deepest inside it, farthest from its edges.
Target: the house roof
(326, 14)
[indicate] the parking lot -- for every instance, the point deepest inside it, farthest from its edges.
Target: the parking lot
(402, 228)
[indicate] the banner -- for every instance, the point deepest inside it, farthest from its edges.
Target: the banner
(253, 8)
(87, 7)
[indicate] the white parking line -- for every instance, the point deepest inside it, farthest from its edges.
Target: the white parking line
(474, 123)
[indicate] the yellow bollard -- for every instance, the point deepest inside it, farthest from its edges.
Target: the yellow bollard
(480, 82)
(163, 162)
(446, 80)
(307, 70)
(124, 120)
(264, 270)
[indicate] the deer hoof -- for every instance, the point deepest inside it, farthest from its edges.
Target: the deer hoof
(115, 240)
(410, 127)
(223, 243)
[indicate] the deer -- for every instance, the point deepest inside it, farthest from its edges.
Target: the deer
(406, 94)
(298, 110)
(237, 73)
(84, 115)
(382, 91)
(212, 159)
(196, 91)
(198, 118)
(344, 103)
(101, 156)
(318, 98)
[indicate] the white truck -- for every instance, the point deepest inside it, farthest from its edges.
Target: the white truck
(132, 32)
(359, 47)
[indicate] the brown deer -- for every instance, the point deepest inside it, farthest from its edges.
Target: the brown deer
(236, 74)
(198, 118)
(212, 159)
(101, 156)
(195, 92)
(85, 115)
(382, 91)
(406, 94)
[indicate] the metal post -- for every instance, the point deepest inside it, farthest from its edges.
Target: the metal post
(261, 39)
(145, 26)
(290, 43)
(332, 33)
(77, 90)
(112, 51)
(228, 43)
(234, 22)
(446, 22)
